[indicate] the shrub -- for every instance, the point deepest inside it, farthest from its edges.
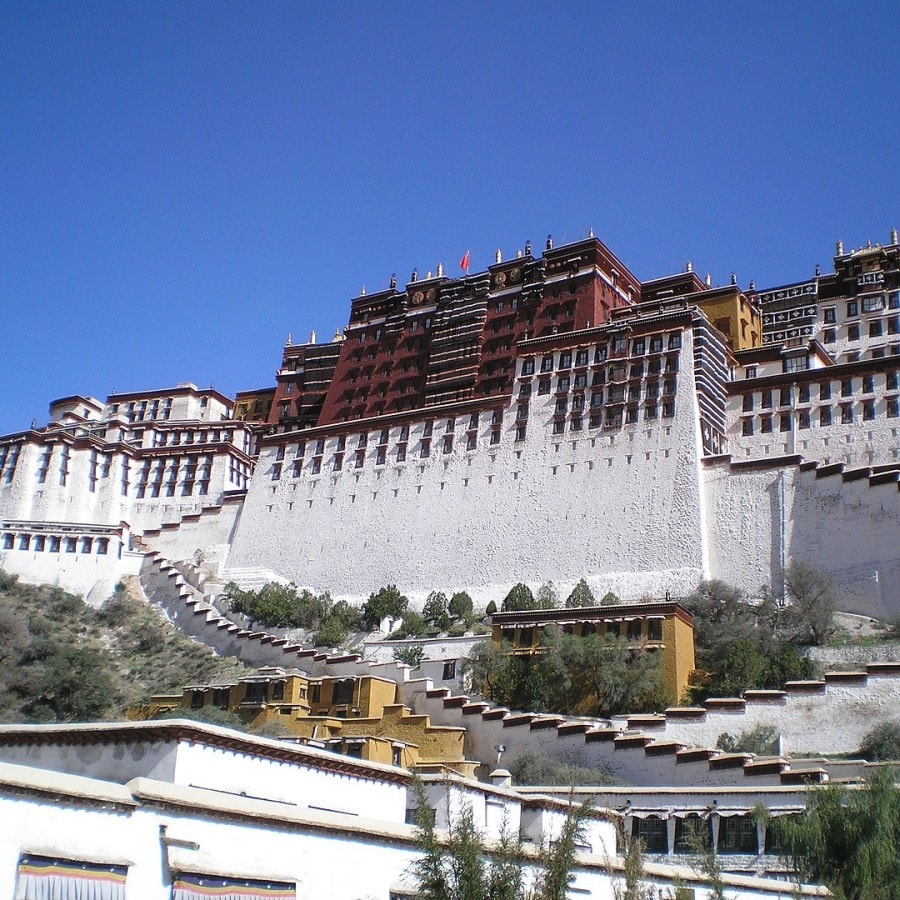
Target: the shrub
(882, 743)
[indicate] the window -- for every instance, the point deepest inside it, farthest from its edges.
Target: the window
(674, 341)
(637, 370)
(563, 384)
(276, 471)
(652, 833)
(544, 386)
(449, 672)
(600, 355)
(825, 415)
(634, 630)
(547, 364)
(581, 358)
(893, 325)
(668, 409)
(316, 465)
(750, 372)
(401, 453)
(828, 315)
(766, 426)
(690, 832)
(847, 387)
(853, 332)
(893, 408)
(650, 411)
(847, 414)
(189, 886)
(747, 427)
(495, 435)
(828, 336)
(890, 381)
(785, 396)
(875, 328)
(528, 367)
(796, 363)
(521, 432)
(654, 629)
(894, 300)
(565, 360)
(619, 346)
(869, 410)
(580, 381)
(766, 400)
(631, 416)
(425, 449)
(803, 419)
(784, 423)
(825, 390)
(561, 404)
(868, 384)
(852, 308)
(804, 393)
(656, 344)
(44, 876)
(737, 834)
(448, 443)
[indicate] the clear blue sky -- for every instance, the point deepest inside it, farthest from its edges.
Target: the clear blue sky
(182, 184)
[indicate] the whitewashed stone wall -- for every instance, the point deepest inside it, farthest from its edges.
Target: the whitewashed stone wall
(621, 508)
(765, 516)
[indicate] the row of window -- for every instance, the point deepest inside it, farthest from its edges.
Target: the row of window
(877, 328)
(166, 475)
(866, 305)
(826, 415)
(42, 876)
(736, 834)
(632, 629)
(618, 346)
(824, 390)
(54, 543)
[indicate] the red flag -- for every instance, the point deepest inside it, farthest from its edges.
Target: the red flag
(464, 262)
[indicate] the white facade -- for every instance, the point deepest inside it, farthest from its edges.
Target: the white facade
(594, 502)
(162, 824)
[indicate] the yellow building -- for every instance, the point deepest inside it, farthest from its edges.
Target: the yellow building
(358, 716)
(730, 310)
(665, 628)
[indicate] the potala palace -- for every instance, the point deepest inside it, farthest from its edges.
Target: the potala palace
(553, 417)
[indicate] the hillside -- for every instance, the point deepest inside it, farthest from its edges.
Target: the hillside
(62, 660)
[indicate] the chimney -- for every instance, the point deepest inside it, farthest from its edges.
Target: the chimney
(501, 778)
(689, 267)
(839, 249)
(440, 270)
(733, 278)
(415, 275)
(549, 241)
(498, 256)
(894, 240)
(708, 280)
(312, 337)
(528, 248)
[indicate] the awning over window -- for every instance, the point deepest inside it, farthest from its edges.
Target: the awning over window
(50, 878)
(205, 887)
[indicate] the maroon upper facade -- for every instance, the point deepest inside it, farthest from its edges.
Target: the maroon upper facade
(441, 340)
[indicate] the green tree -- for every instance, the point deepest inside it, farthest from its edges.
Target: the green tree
(435, 611)
(413, 626)
(610, 599)
(761, 740)
(387, 602)
(882, 743)
(581, 595)
(849, 838)
(458, 868)
(547, 596)
(518, 599)
(461, 606)
(813, 602)
(411, 654)
(491, 608)
(332, 633)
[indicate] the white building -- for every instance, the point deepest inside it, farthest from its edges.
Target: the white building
(177, 811)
